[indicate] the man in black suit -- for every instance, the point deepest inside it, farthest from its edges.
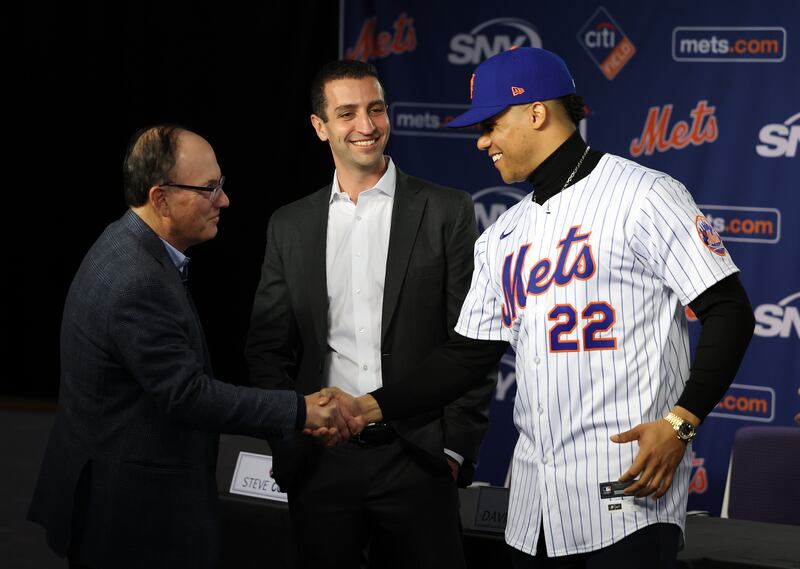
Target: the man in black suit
(128, 475)
(361, 281)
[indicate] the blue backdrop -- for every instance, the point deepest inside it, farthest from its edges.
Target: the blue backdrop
(708, 92)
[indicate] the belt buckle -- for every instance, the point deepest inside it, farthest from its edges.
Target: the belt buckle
(375, 433)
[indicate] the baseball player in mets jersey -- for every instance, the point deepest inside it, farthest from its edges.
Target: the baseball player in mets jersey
(587, 279)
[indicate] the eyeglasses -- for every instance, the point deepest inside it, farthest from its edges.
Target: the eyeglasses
(214, 190)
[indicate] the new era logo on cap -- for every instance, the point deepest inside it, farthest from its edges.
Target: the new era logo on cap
(498, 83)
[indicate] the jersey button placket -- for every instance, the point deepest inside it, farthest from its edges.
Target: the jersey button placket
(536, 303)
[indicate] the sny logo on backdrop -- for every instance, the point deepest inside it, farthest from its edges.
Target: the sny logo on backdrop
(606, 43)
(490, 38)
(779, 140)
(747, 224)
(746, 403)
(491, 203)
(779, 320)
(506, 377)
(723, 44)
(372, 44)
(772, 320)
(657, 135)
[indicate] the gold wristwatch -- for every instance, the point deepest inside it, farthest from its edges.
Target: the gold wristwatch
(684, 430)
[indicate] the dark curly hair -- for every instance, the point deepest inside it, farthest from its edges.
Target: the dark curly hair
(574, 107)
(342, 69)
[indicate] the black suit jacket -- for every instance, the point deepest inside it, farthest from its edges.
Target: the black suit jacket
(428, 272)
(128, 473)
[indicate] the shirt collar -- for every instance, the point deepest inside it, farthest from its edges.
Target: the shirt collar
(178, 258)
(386, 184)
(550, 176)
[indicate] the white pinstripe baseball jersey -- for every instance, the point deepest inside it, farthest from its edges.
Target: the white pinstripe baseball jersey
(589, 295)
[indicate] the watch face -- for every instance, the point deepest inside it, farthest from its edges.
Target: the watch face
(686, 431)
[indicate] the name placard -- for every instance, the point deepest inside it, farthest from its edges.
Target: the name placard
(491, 512)
(253, 477)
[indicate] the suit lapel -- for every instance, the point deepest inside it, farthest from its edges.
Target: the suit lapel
(147, 237)
(153, 245)
(407, 212)
(313, 266)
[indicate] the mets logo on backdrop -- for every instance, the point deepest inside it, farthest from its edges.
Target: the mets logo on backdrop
(606, 43)
(374, 44)
(709, 236)
(657, 134)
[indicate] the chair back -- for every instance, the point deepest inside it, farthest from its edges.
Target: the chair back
(765, 475)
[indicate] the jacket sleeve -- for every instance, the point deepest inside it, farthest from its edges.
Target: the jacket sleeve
(448, 372)
(466, 419)
(148, 324)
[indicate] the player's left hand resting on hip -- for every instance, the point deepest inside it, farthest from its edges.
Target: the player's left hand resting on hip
(660, 452)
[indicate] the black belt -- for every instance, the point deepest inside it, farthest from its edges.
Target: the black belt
(374, 435)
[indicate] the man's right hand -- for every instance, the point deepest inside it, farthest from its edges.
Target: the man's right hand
(333, 416)
(358, 411)
(325, 420)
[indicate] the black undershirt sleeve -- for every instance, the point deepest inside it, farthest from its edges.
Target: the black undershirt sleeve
(448, 372)
(727, 326)
(727, 318)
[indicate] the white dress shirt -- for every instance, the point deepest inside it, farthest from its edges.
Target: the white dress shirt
(357, 247)
(355, 261)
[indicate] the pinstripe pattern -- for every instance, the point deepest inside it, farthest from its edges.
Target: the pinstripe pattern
(649, 260)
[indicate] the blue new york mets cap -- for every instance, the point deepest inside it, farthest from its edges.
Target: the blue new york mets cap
(514, 77)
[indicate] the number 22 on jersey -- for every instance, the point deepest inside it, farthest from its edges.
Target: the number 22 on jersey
(598, 317)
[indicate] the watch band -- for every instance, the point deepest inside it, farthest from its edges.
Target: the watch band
(684, 430)
(673, 419)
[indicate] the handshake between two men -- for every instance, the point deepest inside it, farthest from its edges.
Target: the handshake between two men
(333, 416)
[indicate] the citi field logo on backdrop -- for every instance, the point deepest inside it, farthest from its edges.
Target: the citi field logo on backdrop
(781, 320)
(746, 224)
(779, 140)
(747, 403)
(491, 203)
(742, 44)
(374, 44)
(490, 38)
(606, 43)
(657, 135)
